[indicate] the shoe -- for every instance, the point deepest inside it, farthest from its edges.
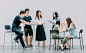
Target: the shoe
(59, 47)
(67, 48)
(16, 40)
(25, 47)
(30, 45)
(53, 45)
(44, 45)
(39, 46)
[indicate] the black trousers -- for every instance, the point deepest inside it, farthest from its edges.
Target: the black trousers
(19, 35)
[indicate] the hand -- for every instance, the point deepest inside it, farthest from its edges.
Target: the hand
(44, 23)
(23, 25)
(28, 23)
(50, 22)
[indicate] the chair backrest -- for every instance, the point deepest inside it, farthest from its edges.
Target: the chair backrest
(54, 31)
(7, 27)
(80, 32)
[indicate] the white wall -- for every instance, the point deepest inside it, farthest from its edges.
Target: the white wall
(76, 9)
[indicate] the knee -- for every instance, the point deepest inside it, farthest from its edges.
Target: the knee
(68, 37)
(31, 36)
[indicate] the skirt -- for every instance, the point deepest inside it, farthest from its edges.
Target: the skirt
(40, 33)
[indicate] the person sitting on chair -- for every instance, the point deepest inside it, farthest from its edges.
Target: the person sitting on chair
(70, 27)
(63, 38)
(16, 22)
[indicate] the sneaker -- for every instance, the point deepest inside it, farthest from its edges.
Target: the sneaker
(31, 45)
(25, 47)
(16, 40)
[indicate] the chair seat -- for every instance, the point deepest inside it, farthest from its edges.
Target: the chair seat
(56, 38)
(74, 38)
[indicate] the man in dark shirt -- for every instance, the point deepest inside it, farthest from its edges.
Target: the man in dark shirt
(28, 28)
(15, 25)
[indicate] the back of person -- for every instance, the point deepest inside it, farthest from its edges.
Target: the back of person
(73, 30)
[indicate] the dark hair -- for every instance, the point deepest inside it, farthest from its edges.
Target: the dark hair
(22, 12)
(58, 22)
(56, 15)
(37, 14)
(26, 9)
(69, 21)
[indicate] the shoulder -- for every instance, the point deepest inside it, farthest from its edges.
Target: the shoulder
(56, 25)
(29, 16)
(17, 16)
(71, 24)
(58, 18)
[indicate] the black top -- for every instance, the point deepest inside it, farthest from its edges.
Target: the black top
(16, 22)
(28, 19)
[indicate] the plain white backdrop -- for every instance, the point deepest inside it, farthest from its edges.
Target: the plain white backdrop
(75, 9)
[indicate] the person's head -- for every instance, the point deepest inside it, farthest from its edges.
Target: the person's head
(58, 22)
(55, 15)
(69, 21)
(27, 11)
(22, 13)
(38, 14)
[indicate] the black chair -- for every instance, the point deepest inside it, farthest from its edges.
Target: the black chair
(9, 30)
(80, 38)
(51, 32)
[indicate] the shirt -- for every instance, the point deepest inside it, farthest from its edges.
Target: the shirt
(72, 30)
(28, 19)
(55, 27)
(55, 20)
(16, 22)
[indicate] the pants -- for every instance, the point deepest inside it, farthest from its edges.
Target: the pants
(19, 35)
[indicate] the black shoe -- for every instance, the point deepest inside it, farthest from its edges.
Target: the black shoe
(25, 47)
(59, 47)
(16, 40)
(66, 48)
(62, 49)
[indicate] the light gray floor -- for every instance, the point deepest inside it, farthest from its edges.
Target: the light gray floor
(39, 50)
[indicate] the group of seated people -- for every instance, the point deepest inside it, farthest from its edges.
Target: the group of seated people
(69, 27)
(26, 19)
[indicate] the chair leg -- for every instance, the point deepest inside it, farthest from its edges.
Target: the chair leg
(50, 44)
(15, 42)
(11, 41)
(4, 40)
(80, 44)
(72, 43)
(55, 44)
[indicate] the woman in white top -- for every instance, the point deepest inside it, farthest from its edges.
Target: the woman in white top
(40, 32)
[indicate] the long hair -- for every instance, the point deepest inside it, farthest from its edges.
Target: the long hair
(56, 15)
(37, 14)
(69, 21)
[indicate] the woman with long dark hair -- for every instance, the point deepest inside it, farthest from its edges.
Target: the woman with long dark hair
(40, 32)
(55, 17)
(70, 27)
